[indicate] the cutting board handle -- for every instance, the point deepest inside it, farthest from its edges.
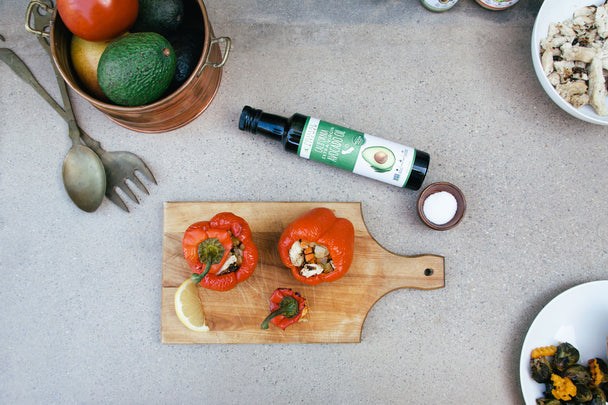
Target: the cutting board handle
(386, 271)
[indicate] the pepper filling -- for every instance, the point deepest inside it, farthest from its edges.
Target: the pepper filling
(235, 257)
(312, 258)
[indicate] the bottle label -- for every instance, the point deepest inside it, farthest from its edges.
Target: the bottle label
(439, 5)
(497, 4)
(356, 152)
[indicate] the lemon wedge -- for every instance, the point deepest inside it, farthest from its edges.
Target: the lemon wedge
(189, 308)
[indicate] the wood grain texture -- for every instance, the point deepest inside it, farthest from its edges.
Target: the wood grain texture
(336, 310)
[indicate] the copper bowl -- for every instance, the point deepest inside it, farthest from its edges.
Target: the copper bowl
(436, 188)
(176, 109)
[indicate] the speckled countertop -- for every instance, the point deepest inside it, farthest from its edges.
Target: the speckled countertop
(80, 293)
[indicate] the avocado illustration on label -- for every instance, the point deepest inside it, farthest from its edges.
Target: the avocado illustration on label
(381, 159)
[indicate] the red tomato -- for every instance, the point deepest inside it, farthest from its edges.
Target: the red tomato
(98, 20)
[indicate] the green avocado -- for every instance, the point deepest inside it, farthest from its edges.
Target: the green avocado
(136, 69)
(381, 159)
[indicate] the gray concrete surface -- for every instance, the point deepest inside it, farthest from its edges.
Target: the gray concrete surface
(80, 293)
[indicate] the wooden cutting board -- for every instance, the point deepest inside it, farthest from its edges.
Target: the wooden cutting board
(336, 310)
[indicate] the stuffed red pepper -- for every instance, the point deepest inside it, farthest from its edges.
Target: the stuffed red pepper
(318, 247)
(220, 251)
(287, 306)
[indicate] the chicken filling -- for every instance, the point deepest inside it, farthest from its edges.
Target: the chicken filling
(574, 57)
(311, 258)
(235, 258)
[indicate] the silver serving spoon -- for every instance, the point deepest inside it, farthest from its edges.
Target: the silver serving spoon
(84, 177)
(83, 173)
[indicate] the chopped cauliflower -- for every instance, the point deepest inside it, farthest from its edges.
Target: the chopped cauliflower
(574, 57)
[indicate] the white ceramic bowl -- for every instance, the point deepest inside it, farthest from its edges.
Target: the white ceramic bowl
(557, 11)
(578, 316)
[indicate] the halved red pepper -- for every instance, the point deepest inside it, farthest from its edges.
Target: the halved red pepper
(287, 306)
(321, 226)
(207, 244)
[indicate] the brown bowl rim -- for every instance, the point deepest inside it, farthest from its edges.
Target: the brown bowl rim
(435, 188)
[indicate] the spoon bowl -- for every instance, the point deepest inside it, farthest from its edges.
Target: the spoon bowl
(84, 178)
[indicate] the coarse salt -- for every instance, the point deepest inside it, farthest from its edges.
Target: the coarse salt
(440, 207)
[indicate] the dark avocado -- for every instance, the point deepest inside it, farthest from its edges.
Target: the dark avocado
(188, 44)
(161, 16)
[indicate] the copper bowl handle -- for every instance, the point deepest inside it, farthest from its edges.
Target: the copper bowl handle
(214, 41)
(28, 17)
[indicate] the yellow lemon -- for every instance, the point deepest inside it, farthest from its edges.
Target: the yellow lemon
(85, 58)
(189, 308)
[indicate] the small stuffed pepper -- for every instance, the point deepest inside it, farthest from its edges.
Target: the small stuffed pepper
(220, 251)
(317, 246)
(287, 306)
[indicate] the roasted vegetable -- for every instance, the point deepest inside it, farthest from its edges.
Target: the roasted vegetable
(565, 356)
(541, 369)
(543, 351)
(583, 393)
(566, 382)
(548, 401)
(599, 397)
(599, 371)
(604, 387)
(578, 374)
(563, 388)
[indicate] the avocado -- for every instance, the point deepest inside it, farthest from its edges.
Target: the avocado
(136, 69)
(188, 45)
(160, 16)
(381, 159)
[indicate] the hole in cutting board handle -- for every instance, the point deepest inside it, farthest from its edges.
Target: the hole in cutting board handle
(428, 272)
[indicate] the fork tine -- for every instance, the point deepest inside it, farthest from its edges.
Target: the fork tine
(115, 198)
(124, 187)
(146, 172)
(138, 183)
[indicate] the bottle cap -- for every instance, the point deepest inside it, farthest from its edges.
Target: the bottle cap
(249, 119)
(419, 169)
